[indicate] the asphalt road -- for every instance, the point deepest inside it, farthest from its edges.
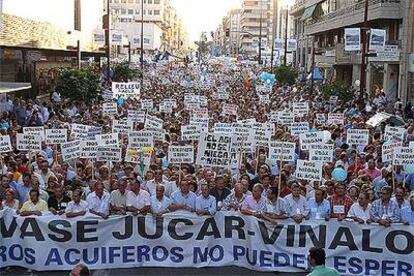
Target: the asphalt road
(152, 271)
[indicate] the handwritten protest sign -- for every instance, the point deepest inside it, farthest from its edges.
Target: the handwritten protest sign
(281, 151)
(285, 118)
(320, 118)
(56, 136)
(190, 132)
(27, 142)
(214, 150)
(300, 108)
(140, 139)
(309, 170)
(5, 144)
(136, 116)
(110, 109)
(357, 136)
(88, 149)
(180, 154)
(230, 109)
(297, 128)
(153, 122)
(320, 152)
(35, 131)
(223, 128)
(403, 156)
(122, 125)
(311, 138)
(126, 89)
(70, 150)
(388, 151)
(147, 104)
(336, 118)
(395, 134)
(105, 154)
(108, 140)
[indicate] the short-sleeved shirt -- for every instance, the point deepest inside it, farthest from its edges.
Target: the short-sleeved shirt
(160, 206)
(250, 203)
(118, 199)
(58, 205)
(139, 200)
(76, 208)
(29, 206)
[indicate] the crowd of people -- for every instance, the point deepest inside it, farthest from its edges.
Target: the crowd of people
(39, 183)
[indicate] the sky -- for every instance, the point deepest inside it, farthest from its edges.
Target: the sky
(203, 15)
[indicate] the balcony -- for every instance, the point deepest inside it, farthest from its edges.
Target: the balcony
(300, 5)
(354, 14)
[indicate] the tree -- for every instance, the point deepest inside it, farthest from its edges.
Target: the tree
(82, 85)
(285, 75)
(343, 92)
(124, 73)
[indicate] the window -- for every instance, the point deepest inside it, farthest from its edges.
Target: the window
(156, 12)
(123, 1)
(137, 1)
(157, 2)
(131, 1)
(123, 11)
(137, 12)
(130, 11)
(149, 1)
(144, 12)
(149, 12)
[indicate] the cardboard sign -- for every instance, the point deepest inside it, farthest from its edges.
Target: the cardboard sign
(297, 128)
(311, 138)
(221, 94)
(26, 142)
(180, 154)
(5, 144)
(264, 99)
(300, 108)
(224, 128)
(70, 150)
(105, 154)
(165, 108)
(403, 156)
(122, 126)
(357, 137)
(388, 151)
(88, 149)
(262, 137)
(110, 109)
(273, 116)
(136, 116)
(281, 151)
(320, 118)
(230, 109)
(201, 122)
(108, 140)
(140, 139)
(309, 170)
(322, 153)
(395, 134)
(157, 133)
(199, 113)
(56, 136)
(214, 150)
(336, 118)
(153, 122)
(285, 118)
(85, 132)
(190, 132)
(35, 131)
(126, 89)
(147, 105)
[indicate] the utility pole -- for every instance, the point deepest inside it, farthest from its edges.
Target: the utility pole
(108, 40)
(142, 42)
(286, 36)
(129, 52)
(260, 32)
(363, 76)
(78, 54)
(272, 55)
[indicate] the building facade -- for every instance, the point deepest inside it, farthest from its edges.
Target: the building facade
(320, 26)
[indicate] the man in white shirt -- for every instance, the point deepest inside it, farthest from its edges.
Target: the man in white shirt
(138, 201)
(360, 210)
(183, 199)
(76, 207)
(98, 201)
(160, 202)
(205, 203)
(151, 185)
(295, 204)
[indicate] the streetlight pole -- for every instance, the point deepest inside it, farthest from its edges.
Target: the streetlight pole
(142, 42)
(108, 40)
(286, 36)
(363, 76)
(260, 32)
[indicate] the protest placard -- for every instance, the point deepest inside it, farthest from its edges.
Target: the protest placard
(190, 132)
(300, 108)
(221, 94)
(157, 133)
(262, 137)
(5, 144)
(214, 150)
(264, 99)
(85, 132)
(165, 108)
(56, 136)
(297, 128)
(70, 150)
(201, 122)
(273, 116)
(395, 134)
(138, 157)
(357, 136)
(285, 118)
(333, 99)
(28, 142)
(230, 109)
(140, 139)
(309, 170)
(336, 118)
(35, 131)
(147, 104)
(126, 89)
(153, 122)
(311, 138)
(320, 118)
(88, 149)
(403, 156)
(105, 154)
(281, 151)
(110, 109)
(201, 112)
(321, 152)
(223, 128)
(136, 116)
(122, 125)
(388, 151)
(180, 154)
(108, 140)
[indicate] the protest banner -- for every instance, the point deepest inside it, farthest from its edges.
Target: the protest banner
(300, 108)
(126, 89)
(56, 136)
(403, 156)
(136, 116)
(214, 150)
(70, 150)
(321, 152)
(140, 139)
(183, 239)
(153, 122)
(311, 138)
(335, 118)
(147, 104)
(108, 140)
(5, 144)
(281, 151)
(122, 125)
(35, 131)
(180, 154)
(352, 39)
(395, 134)
(224, 128)
(357, 136)
(309, 170)
(139, 156)
(88, 149)
(106, 154)
(285, 118)
(297, 128)
(110, 109)
(388, 151)
(28, 142)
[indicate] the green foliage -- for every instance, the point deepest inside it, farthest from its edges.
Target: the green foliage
(124, 73)
(79, 85)
(343, 92)
(285, 74)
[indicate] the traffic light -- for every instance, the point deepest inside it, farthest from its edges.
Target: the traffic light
(227, 32)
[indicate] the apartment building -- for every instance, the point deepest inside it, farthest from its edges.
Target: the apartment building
(320, 26)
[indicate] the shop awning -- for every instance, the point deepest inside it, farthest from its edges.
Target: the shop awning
(7, 87)
(308, 13)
